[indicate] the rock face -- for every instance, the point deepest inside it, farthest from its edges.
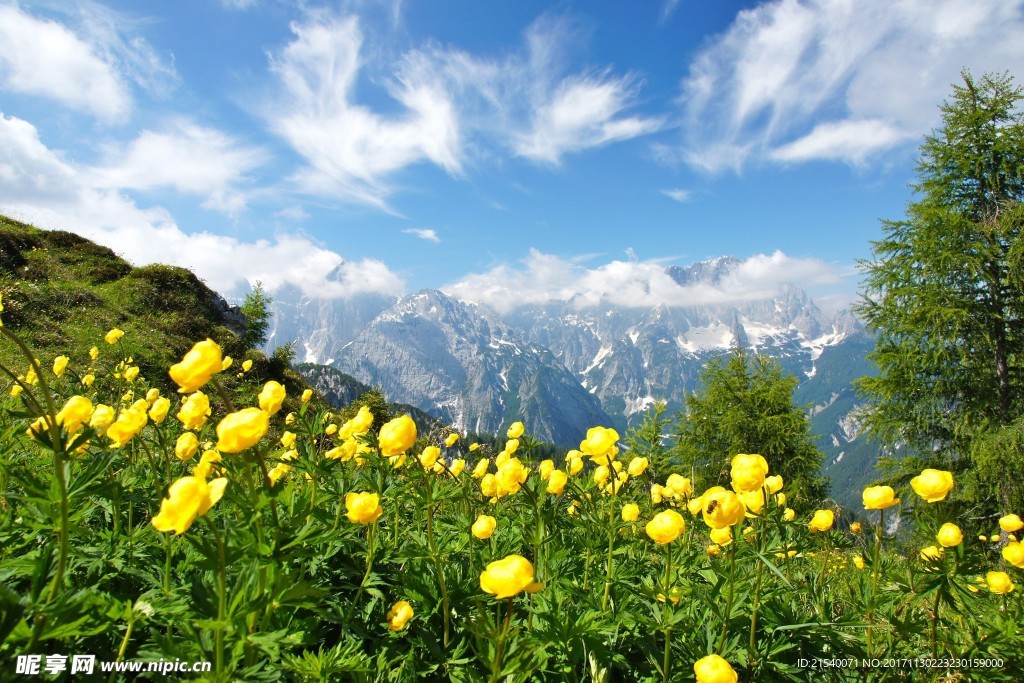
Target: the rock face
(463, 364)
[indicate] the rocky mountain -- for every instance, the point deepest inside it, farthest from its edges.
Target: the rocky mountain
(462, 363)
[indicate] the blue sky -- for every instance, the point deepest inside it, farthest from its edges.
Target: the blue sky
(505, 151)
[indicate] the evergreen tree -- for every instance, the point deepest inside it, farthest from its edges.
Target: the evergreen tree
(746, 406)
(256, 309)
(943, 295)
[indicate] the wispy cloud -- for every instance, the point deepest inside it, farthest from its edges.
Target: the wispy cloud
(541, 278)
(798, 80)
(678, 194)
(350, 150)
(428, 234)
(40, 186)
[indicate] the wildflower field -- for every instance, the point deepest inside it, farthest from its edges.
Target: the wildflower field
(234, 524)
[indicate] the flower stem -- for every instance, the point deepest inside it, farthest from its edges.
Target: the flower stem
(610, 563)
(728, 601)
(667, 659)
(874, 578)
(496, 664)
(221, 595)
(935, 625)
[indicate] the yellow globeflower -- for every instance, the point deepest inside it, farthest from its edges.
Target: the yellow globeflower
(484, 526)
(1011, 523)
(949, 535)
(932, 485)
(113, 336)
(94, 353)
(397, 436)
(130, 373)
(451, 440)
(159, 409)
(753, 500)
(630, 512)
(879, 497)
(241, 429)
(556, 482)
(515, 430)
(399, 615)
(722, 537)
(101, 418)
(271, 397)
(855, 528)
(545, 468)
(508, 577)
(600, 444)
(75, 413)
(60, 364)
(789, 514)
(774, 484)
(186, 446)
(481, 468)
(489, 485)
(694, 506)
(713, 550)
(714, 669)
(637, 466)
(187, 498)
(665, 526)
(307, 394)
(129, 423)
(195, 410)
(999, 582)
(429, 456)
(201, 363)
(1014, 554)
(457, 467)
(246, 365)
(601, 474)
(822, 520)
(858, 562)
(931, 554)
(722, 508)
(748, 472)
(363, 508)
(575, 465)
(678, 486)
(474, 447)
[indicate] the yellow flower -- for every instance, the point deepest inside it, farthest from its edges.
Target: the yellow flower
(94, 353)
(694, 506)
(201, 363)
(195, 410)
(226, 363)
(186, 446)
(657, 493)
(511, 475)
(677, 486)
(481, 468)
(511, 446)
(130, 373)
(31, 377)
(451, 440)
(129, 423)
(113, 336)
(207, 460)
(822, 520)
(665, 526)
(855, 528)
(508, 577)
(1014, 554)
(932, 485)
(575, 465)
(748, 472)
(158, 411)
(457, 467)
(75, 413)
(88, 379)
(484, 526)
(152, 395)
(949, 535)
(363, 508)
(601, 474)
(399, 615)
(858, 562)
(630, 512)
(931, 554)
(489, 486)
(60, 363)
(397, 436)
(999, 582)
(279, 470)
(288, 439)
(714, 669)
(556, 482)
(780, 498)
(271, 397)
(774, 484)
(241, 429)
(722, 508)
(331, 429)
(713, 550)
(753, 501)
(102, 417)
(515, 430)
(1010, 523)
(429, 456)
(879, 498)
(246, 365)
(474, 447)
(600, 444)
(16, 390)
(545, 468)
(637, 466)
(722, 537)
(187, 498)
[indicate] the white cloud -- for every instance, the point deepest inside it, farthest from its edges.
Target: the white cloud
(39, 186)
(678, 194)
(797, 80)
(350, 150)
(189, 158)
(544, 277)
(42, 57)
(428, 234)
